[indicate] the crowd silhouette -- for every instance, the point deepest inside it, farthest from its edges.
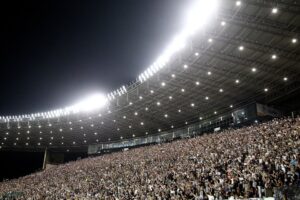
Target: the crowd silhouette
(242, 163)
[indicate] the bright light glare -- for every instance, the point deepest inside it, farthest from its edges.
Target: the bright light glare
(275, 10)
(199, 14)
(93, 102)
(294, 40)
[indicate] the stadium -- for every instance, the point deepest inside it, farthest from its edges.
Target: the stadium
(216, 116)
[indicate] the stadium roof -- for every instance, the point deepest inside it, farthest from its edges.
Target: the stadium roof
(249, 51)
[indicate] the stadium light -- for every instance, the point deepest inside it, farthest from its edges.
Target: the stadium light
(275, 10)
(274, 57)
(198, 15)
(90, 103)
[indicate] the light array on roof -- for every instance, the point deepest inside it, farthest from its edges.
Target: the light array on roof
(198, 16)
(91, 103)
(119, 92)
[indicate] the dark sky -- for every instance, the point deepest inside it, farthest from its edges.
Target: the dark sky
(54, 52)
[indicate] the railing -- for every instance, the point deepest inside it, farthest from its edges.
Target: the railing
(191, 130)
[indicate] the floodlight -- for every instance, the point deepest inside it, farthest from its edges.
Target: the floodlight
(146, 74)
(124, 88)
(200, 14)
(275, 10)
(93, 102)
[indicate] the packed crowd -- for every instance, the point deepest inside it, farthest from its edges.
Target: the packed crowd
(243, 163)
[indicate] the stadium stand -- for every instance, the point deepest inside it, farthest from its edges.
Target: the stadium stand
(243, 66)
(252, 162)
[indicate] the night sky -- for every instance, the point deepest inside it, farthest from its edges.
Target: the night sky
(54, 52)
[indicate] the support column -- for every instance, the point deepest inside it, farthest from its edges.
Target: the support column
(45, 158)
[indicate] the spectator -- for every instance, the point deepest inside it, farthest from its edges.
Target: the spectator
(243, 163)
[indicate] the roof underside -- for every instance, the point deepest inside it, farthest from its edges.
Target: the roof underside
(252, 25)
